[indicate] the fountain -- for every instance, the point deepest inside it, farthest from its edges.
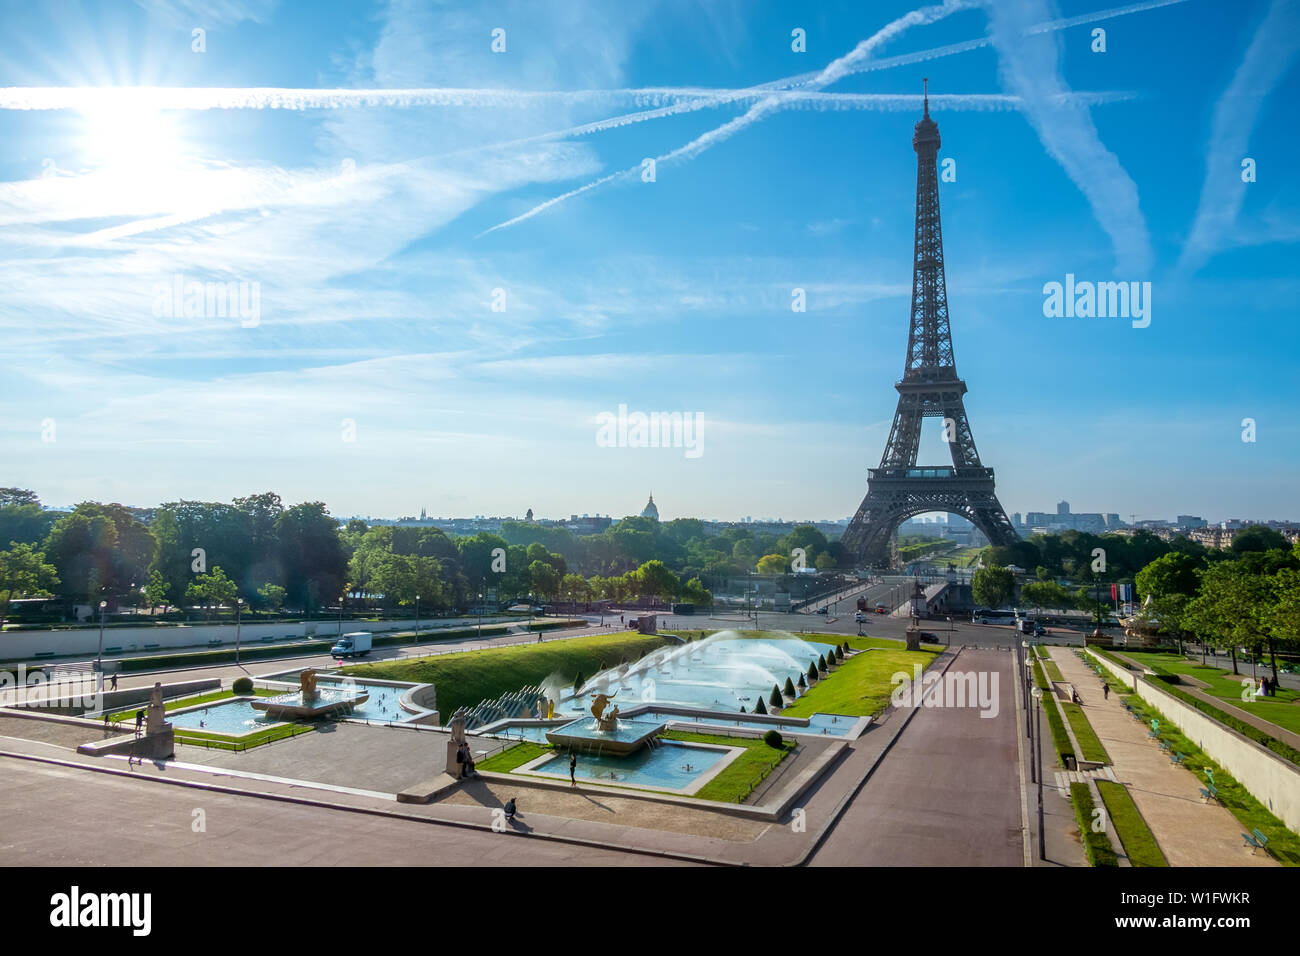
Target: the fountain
(309, 701)
(608, 733)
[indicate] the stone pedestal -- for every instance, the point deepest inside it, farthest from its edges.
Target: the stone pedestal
(913, 638)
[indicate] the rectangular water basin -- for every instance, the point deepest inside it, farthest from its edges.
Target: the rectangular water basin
(668, 765)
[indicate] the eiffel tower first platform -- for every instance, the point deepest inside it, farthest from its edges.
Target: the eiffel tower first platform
(930, 388)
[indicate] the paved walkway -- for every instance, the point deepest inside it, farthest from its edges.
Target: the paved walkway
(1190, 833)
(63, 816)
(948, 794)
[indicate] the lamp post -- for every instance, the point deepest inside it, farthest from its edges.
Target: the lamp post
(1037, 758)
(417, 617)
(239, 614)
(480, 616)
(99, 658)
(341, 615)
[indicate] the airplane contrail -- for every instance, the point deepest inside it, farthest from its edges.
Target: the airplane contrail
(812, 78)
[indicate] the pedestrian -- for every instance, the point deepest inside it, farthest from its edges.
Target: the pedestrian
(573, 768)
(1105, 691)
(460, 759)
(113, 686)
(510, 808)
(139, 720)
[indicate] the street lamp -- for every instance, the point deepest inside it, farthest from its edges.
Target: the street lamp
(1038, 758)
(417, 617)
(99, 658)
(239, 612)
(480, 616)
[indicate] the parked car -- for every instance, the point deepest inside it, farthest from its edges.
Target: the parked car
(825, 610)
(882, 607)
(859, 617)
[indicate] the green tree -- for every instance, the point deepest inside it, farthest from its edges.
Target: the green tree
(1257, 537)
(1171, 582)
(772, 564)
(81, 548)
(272, 596)
(157, 590)
(993, 586)
(311, 554)
(212, 590)
(653, 579)
(24, 572)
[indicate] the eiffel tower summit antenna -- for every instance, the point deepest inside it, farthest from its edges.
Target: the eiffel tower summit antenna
(929, 388)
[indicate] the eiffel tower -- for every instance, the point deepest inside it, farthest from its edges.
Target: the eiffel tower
(930, 388)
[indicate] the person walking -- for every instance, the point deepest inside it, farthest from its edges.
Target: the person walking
(1105, 691)
(573, 767)
(460, 760)
(113, 685)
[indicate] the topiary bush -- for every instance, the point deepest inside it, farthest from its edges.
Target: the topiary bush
(773, 739)
(789, 688)
(812, 672)
(775, 700)
(242, 685)
(759, 708)
(839, 653)
(821, 663)
(802, 683)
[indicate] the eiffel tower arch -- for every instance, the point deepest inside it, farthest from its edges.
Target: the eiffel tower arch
(929, 388)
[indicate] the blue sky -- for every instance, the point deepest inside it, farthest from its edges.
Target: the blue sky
(376, 230)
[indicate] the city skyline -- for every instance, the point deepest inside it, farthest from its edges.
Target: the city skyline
(373, 233)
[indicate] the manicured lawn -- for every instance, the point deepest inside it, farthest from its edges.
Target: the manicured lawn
(1284, 844)
(1139, 842)
(1045, 655)
(1060, 739)
(466, 679)
(513, 757)
(223, 742)
(1283, 710)
(743, 774)
(860, 686)
(1096, 846)
(1089, 743)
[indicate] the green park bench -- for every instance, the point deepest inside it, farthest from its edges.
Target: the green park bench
(1177, 758)
(1210, 792)
(1256, 842)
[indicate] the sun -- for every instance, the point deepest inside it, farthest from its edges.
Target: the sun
(130, 139)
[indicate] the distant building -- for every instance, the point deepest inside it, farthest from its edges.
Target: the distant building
(650, 510)
(1062, 507)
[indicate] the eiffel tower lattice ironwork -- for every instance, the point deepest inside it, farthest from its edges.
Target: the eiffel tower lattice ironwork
(930, 388)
